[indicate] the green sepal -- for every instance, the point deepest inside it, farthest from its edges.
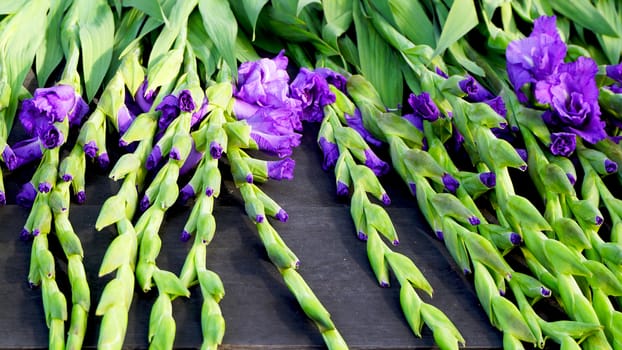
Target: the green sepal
(406, 271)
(502, 237)
(80, 292)
(446, 204)
(110, 212)
(422, 163)
(206, 228)
(564, 260)
(480, 249)
(571, 234)
(167, 282)
(77, 328)
(510, 342)
(113, 328)
(334, 340)
(529, 286)
(364, 177)
(411, 307)
(455, 244)
(238, 134)
(486, 289)
(163, 335)
(212, 323)
(144, 274)
(525, 214)
(445, 332)
(56, 334)
(127, 164)
(143, 126)
(570, 329)
(376, 251)
(212, 179)
(68, 239)
(603, 278)
(482, 114)
(307, 300)
(378, 218)
(555, 179)
(111, 297)
(587, 214)
(511, 321)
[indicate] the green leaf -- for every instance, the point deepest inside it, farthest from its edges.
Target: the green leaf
(150, 7)
(9, 7)
(221, 26)
(303, 3)
(50, 54)
(461, 19)
(411, 19)
(338, 16)
(252, 8)
(612, 47)
(584, 13)
(96, 23)
(378, 61)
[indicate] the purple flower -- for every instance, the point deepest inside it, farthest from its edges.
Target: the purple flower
(377, 165)
(415, 120)
(423, 106)
(52, 137)
(333, 78)
(174, 153)
(342, 189)
(45, 187)
(186, 193)
(312, 90)
(522, 153)
(124, 119)
(81, 197)
(200, 113)
(515, 238)
(8, 155)
(243, 109)
(610, 166)
(498, 105)
(536, 57)
(2, 198)
(386, 200)
(67, 177)
(281, 215)
(278, 145)
(154, 158)
(356, 122)
(474, 220)
(614, 72)
(563, 143)
(193, 159)
(23, 152)
(103, 160)
(330, 151)
(573, 96)
(215, 150)
(450, 182)
(170, 110)
(144, 99)
(281, 169)
(185, 236)
(440, 72)
(26, 195)
(474, 90)
(278, 121)
(264, 82)
(144, 203)
(186, 102)
(90, 149)
(489, 179)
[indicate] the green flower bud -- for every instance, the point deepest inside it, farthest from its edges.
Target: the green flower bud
(482, 114)
(357, 212)
(168, 189)
(56, 334)
(411, 306)
(68, 239)
(480, 249)
(113, 96)
(163, 333)
(211, 285)
(307, 300)
(377, 217)
(511, 321)
(446, 334)
(180, 147)
(611, 251)
(587, 213)
(342, 103)
(144, 274)
(423, 163)
(142, 127)
(502, 237)
(212, 324)
(406, 271)
(127, 164)
(334, 340)
(219, 95)
(112, 329)
(73, 164)
(529, 286)
(376, 251)
(571, 234)
(525, 214)
(397, 127)
(447, 204)
(110, 297)
(89, 130)
(77, 328)
(167, 282)
(598, 160)
(559, 330)
(350, 139)
(110, 212)
(80, 293)
(206, 228)
(602, 278)
(238, 134)
(539, 270)
(342, 172)
(510, 342)
(54, 302)
(555, 179)
(486, 289)
(455, 244)
(564, 260)
(532, 120)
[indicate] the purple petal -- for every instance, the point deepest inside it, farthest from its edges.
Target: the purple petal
(124, 119)
(423, 106)
(56, 101)
(610, 166)
(312, 90)
(451, 183)
(571, 178)
(24, 152)
(333, 78)
(154, 158)
(52, 137)
(385, 199)
(45, 187)
(545, 292)
(377, 165)
(185, 236)
(175, 153)
(474, 90)
(200, 113)
(614, 72)
(356, 122)
(259, 218)
(330, 151)
(186, 102)
(144, 203)
(103, 160)
(249, 178)
(186, 193)
(362, 236)
(515, 238)
(281, 215)
(281, 169)
(81, 197)
(215, 150)
(90, 149)
(474, 220)
(67, 177)
(563, 143)
(342, 189)
(598, 220)
(26, 195)
(209, 191)
(9, 157)
(145, 98)
(24, 235)
(2, 198)
(440, 235)
(489, 179)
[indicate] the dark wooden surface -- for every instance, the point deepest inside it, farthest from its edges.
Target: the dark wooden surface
(258, 309)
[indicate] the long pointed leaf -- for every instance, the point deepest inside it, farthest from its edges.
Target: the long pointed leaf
(221, 25)
(461, 19)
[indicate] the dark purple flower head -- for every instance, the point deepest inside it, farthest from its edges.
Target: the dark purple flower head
(145, 98)
(563, 143)
(545, 292)
(474, 220)
(58, 102)
(259, 218)
(362, 236)
(170, 110)
(249, 178)
(52, 137)
(386, 200)
(440, 72)
(26, 195)
(610, 166)
(23, 152)
(377, 165)
(614, 72)
(103, 160)
(573, 97)
(186, 193)
(45, 187)
(356, 122)
(498, 105)
(333, 78)
(185, 236)
(24, 235)
(215, 150)
(277, 121)
(450, 183)
(209, 191)
(281, 215)
(154, 158)
(522, 153)
(193, 159)
(440, 235)
(598, 220)
(264, 82)
(312, 90)
(515, 238)
(67, 177)
(144, 203)
(2, 198)
(90, 149)
(243, 109)
(474, 90)
(200, 113)
(186, 102)
(489, 179)
(281, 169)
(423, 106)
(81, 197)
(124, 119)
(536, 57)
(413, 188)
(330, 151)
(342, 189)
(174, 153)
(571, 178)
(415, 120)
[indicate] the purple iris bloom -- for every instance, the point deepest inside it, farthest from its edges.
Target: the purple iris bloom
(52, 137)
(356, 122)
(154, 158)
(573, 97)
(90, 149)
(312, 90)
(377, 165)
(281, 215)
(278, 145)
(200, 113)
(342, 189)
(281, 169)
(243, 109)
(24, 152)
(215, 150)
(272, 130)
(26, 195)
(170, 110)
(474, 90)
(498, 105)
(614, 72)
(330, 151)
(144, 99)
(423, 106)
(186, 193)
(186, 102)
(193, 159)
(515, 238)
(333, 78)
(8, 155)
(124, 119)
(536, 57)
(264, 82)
(450, 182)
(563, 143)
(81, 197)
